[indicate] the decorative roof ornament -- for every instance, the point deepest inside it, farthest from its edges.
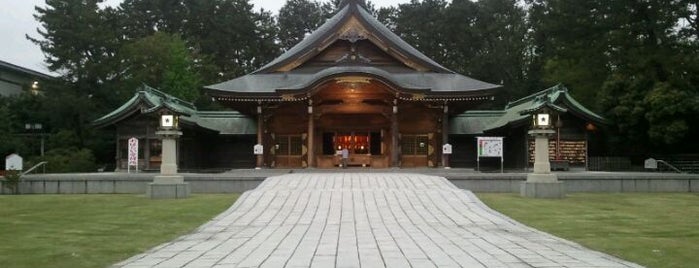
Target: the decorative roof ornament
(353, 35)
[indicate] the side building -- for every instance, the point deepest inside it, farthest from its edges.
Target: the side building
(578, 132)
(211, 140)
(15, 80)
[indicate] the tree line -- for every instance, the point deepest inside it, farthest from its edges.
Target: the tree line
(635, 62)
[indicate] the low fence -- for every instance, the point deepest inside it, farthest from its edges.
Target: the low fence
(119, 183)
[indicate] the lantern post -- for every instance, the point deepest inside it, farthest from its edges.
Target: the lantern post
(541, 183)
(168, 184)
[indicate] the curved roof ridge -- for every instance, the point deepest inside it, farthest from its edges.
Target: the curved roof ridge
(314, 37)
(538, 94)
(399, 42)
(325, 31)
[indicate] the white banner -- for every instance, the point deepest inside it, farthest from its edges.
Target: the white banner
(133, 152)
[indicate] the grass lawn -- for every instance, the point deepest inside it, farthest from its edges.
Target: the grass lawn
(654, 230)
(95, 230)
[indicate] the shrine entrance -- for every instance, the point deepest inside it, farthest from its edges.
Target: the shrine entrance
(353, 113)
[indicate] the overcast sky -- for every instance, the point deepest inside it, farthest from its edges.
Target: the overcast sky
(16, 20)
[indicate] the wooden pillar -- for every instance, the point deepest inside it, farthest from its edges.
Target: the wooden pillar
(146, 148)
(395, 154)
(445, 133)
(118, 152)
(260, 128)
(311, 136)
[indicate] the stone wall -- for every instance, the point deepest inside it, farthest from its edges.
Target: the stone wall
(238, 182)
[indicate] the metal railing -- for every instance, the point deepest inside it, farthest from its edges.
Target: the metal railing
(41, 164)
(670, 166)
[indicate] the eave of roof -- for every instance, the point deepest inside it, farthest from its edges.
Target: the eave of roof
(431, 78)
(149, 100)
(516, 112)
(146, 100)
(435, 83)
(22, 70)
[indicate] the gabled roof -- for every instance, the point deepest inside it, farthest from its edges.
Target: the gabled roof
(148, 100)
(341, 23)
(517, 112)
(352, 23)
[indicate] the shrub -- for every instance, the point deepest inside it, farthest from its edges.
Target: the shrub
(11, 182)
(63, 160)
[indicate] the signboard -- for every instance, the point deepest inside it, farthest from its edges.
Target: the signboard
(13, 162)
(446, 149)
(258, 149)
(651, 163)
(490, 147)
(133, 153)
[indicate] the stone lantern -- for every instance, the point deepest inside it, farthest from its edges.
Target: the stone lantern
(541, 183)
(169, 184)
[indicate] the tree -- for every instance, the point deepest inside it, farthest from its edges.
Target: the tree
(80, 42)
(571, 40)
(162, 60)
(297, 18)
(652, 95)
(483, 39)
(226, 37)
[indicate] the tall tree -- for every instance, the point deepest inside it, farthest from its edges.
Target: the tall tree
(80, 43)
(571, 41)
(297, 18)
(228, 38)
(650, 96)
(163, 61)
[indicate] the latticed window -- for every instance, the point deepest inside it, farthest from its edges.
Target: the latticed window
(414, 144)
(289, 145)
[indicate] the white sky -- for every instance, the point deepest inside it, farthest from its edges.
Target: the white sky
(16, 20)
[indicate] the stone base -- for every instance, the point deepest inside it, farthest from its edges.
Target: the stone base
(542, 177)
(553, 190)
(168, 187)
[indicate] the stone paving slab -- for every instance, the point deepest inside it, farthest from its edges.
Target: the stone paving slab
(366, 220)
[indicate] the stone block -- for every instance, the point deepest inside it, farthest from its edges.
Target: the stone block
(543, 189)
(167, 191)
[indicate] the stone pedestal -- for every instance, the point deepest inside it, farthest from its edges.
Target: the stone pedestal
(542, 183)
(168, 185)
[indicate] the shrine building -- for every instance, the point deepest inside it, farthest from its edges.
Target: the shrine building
(352, 84)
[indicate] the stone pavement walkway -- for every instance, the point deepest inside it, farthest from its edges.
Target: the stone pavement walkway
(366, 220)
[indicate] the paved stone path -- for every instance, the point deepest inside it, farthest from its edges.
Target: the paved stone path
(366, 220)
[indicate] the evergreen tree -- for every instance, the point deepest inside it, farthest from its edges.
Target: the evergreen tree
(297, 18)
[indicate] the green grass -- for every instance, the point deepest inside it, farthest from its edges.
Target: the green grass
(654, 230)
(94, 230)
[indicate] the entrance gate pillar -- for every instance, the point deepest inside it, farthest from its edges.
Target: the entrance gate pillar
(395, 154)
(311, 136)
(445, 133)
(260, 157)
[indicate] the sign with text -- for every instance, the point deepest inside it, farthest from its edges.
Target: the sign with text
(446, 149)
(490, 146)
(258, 149)
(133, 152)
(14, 162)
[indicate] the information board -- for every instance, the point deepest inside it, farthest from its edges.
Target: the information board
(490, 147)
